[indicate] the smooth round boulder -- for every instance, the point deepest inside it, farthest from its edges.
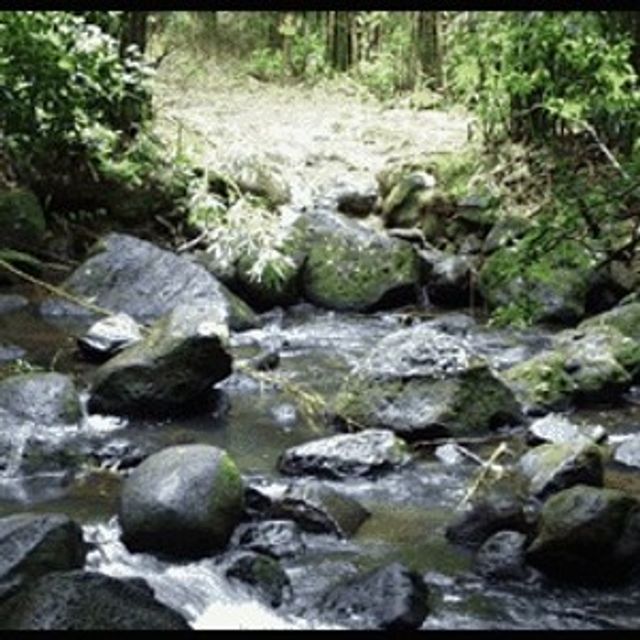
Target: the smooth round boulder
(183, 501)
(78, 600)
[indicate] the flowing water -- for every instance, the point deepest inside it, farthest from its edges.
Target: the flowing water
(255, 422)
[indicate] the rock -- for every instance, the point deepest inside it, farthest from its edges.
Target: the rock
(78, 600)
(585, 366)
(129, 275)
(390, 598)
(587, 534)
(608, 285)
(504, 232)
(45, 398)
(9, 353)
(360, 454)
(21, 219)
(276, 538)
(349, 267)
(320, 509)
(628, 452)
(261, 572)
(32, 545)
(107, 337)
(422, 383)
(119, 455)
(11, 302)
(357, 201)
(184, 501)
(556, 429)
(502, 557)
(182, 357)
(256, 174)
(559, 297)
(486, 517)
(449, 280)
(625, 318)
(555, 467)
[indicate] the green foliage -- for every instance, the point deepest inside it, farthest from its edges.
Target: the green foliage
(64, 89)
(536, 75)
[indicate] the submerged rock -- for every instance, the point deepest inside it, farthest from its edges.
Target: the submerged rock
(133, 276)
(45, 398)
(184, 501)
(360, 454)
(555, 467)
(502, 556)
(261, 572)
(587, 534)
(422, 383)
(584, 367)
(349, 267)
(107, 337)
(182, 357)
(556, 429)
(390, 598)
(276, 538)
(78, 600)
(320, 509)
(32, 545)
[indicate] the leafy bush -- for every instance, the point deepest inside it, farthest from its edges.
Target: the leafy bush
(65, 90)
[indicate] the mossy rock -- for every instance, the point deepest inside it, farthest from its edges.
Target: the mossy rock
(584, 367)
(625, 318)
(421, 384)
(21, 219)
(351, 268)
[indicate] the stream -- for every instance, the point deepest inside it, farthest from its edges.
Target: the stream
(254, 422)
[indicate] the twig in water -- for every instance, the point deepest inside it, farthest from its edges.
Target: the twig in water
(487, 467)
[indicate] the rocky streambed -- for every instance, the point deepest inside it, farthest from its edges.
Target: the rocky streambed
(170, 460)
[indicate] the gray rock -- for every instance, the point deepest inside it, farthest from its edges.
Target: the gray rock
(184, 501)
(32, 545)
(261, 572)
(107, 337)
(555, 467)
(502, 556)
(360, 454)
(9, 353)
(182, 357)
(389, 598)
(448, 277)
(45, 398)
(628, 452)
(587, 534)
(129, 275)
(625, 318)
(276, 538)
(320, 509)
(12, 302)
(555, 428)
(350, 267)
(78, 600)
(422, 383)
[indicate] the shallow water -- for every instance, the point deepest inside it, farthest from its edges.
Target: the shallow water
(255, 422)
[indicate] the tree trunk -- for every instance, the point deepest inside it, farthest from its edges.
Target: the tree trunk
(428, 49)
(133, 31)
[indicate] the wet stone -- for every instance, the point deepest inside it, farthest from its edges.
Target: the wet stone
(107, 337)
(628, 452)
(276, 538)
(502, 556)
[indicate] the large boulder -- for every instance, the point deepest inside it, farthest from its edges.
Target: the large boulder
(422, 383)
(32, 545)
(78, 600)
(45, 398)
(184, 501)
(21, 219)
(133, 276)
(587, 534)
(558, 297)
(391, 598)
(184, 354)
(369, 452)
(585, 366)
(553, 467)
(350, 267)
